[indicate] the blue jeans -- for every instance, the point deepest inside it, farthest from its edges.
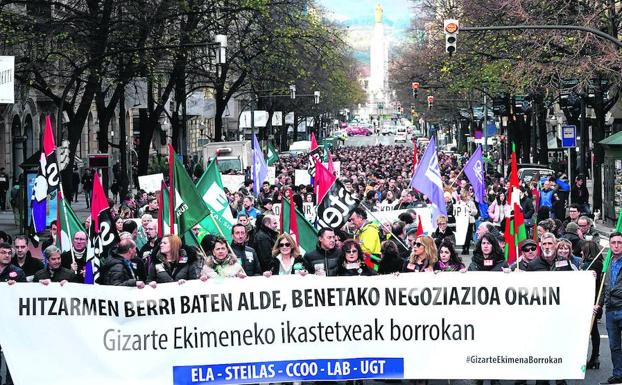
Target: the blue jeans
(614, 332)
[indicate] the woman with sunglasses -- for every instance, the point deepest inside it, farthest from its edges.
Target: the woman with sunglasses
(565, 261)
(488, 255)
(448, 259)
(352, 260)
(286, 258)
(422, 257)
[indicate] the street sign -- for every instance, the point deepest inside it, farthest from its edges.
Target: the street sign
(569, 135)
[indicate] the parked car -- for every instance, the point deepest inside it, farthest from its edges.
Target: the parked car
(353, 131)
(526, 172)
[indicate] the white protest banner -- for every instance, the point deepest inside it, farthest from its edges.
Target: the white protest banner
(302, 177)
(387, 207)
(461, 213)
(271, 176)
(7, 79)
(233, 182)
(308, 209)
(425, 216)
(151, 183)
(386, 216)
(293, 328)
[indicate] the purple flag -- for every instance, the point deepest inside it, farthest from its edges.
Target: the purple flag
(474, 170)
(427, 179)
(260, 168)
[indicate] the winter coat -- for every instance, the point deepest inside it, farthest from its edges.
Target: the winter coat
(263, 243)
(118, 271)
(479, 263)
(162, 271)
(328, 260)
(247, 257)
(58, 275)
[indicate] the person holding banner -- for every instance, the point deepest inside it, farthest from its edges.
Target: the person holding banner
(488, 255)
(75, 259)
(352, 262)
(448, 259)
(286, 258)
(548, 254)
(528, 252)
(423, 256)
(222, 263)
(54, 272)
(171, 263)
(565, 261)
(118, 269)
(325, 258)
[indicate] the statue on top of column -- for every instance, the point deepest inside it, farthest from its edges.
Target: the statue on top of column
(378, 13)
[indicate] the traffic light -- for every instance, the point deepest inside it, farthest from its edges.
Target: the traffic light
(451, 35)
(430, 101)
(415, 87)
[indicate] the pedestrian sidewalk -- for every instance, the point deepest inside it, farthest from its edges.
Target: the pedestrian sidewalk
(8, 223)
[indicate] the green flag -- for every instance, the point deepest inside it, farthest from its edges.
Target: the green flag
(68, 225)
(189, 207)
(211, 190)
(609, 255)
(273, 155)
(307, 234)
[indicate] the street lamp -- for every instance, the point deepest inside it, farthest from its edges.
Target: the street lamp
(316, 97)
(292, 91)
(221, 49)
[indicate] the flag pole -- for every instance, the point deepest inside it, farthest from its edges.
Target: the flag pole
(385, 227)
(595, 258)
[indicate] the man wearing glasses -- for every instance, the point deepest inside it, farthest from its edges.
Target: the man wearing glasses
(587, 229)
(528, 252)
(75, 259)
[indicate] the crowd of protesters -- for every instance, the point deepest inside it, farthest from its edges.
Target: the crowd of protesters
(558, 218)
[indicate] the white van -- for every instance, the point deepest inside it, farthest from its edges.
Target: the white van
(401, 135)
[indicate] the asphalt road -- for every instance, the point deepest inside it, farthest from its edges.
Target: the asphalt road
(372, 140)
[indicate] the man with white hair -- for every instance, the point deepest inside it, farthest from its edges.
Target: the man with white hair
(141, 237)
(548, 253)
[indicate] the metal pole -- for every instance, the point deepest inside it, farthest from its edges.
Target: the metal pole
(583, 146)
(485, 124)
(252, 120)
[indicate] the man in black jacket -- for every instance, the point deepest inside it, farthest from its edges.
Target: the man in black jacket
(613, 306)
(118, 269)
(325, 258)
(54, 272)
(548, 252)
(264, 241)
(23, 259)
(246, 255)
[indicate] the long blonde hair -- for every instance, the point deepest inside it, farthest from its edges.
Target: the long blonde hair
(175, 244)
(276, 250)
(430, 252)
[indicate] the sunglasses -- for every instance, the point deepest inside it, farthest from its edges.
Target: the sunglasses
(286, 244)
(353, 251)
(418, 244)
(531, 248)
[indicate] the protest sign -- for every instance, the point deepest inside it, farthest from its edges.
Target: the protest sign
(461, 213)
(233, 182)
(150, 183)
(308, 210)
(302, 177)
(292, 328)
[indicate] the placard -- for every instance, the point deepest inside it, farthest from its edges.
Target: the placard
(233, 182)
(461, 213)
(302, 177)
(151, 183)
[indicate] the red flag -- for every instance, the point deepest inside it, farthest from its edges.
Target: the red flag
(414, 156)
(293, 224)
(313, 142)
(510, 242)
(331, 166)
(514, 226)
(323, 182)
(419, 227)
(99, 202)
(171, 205)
